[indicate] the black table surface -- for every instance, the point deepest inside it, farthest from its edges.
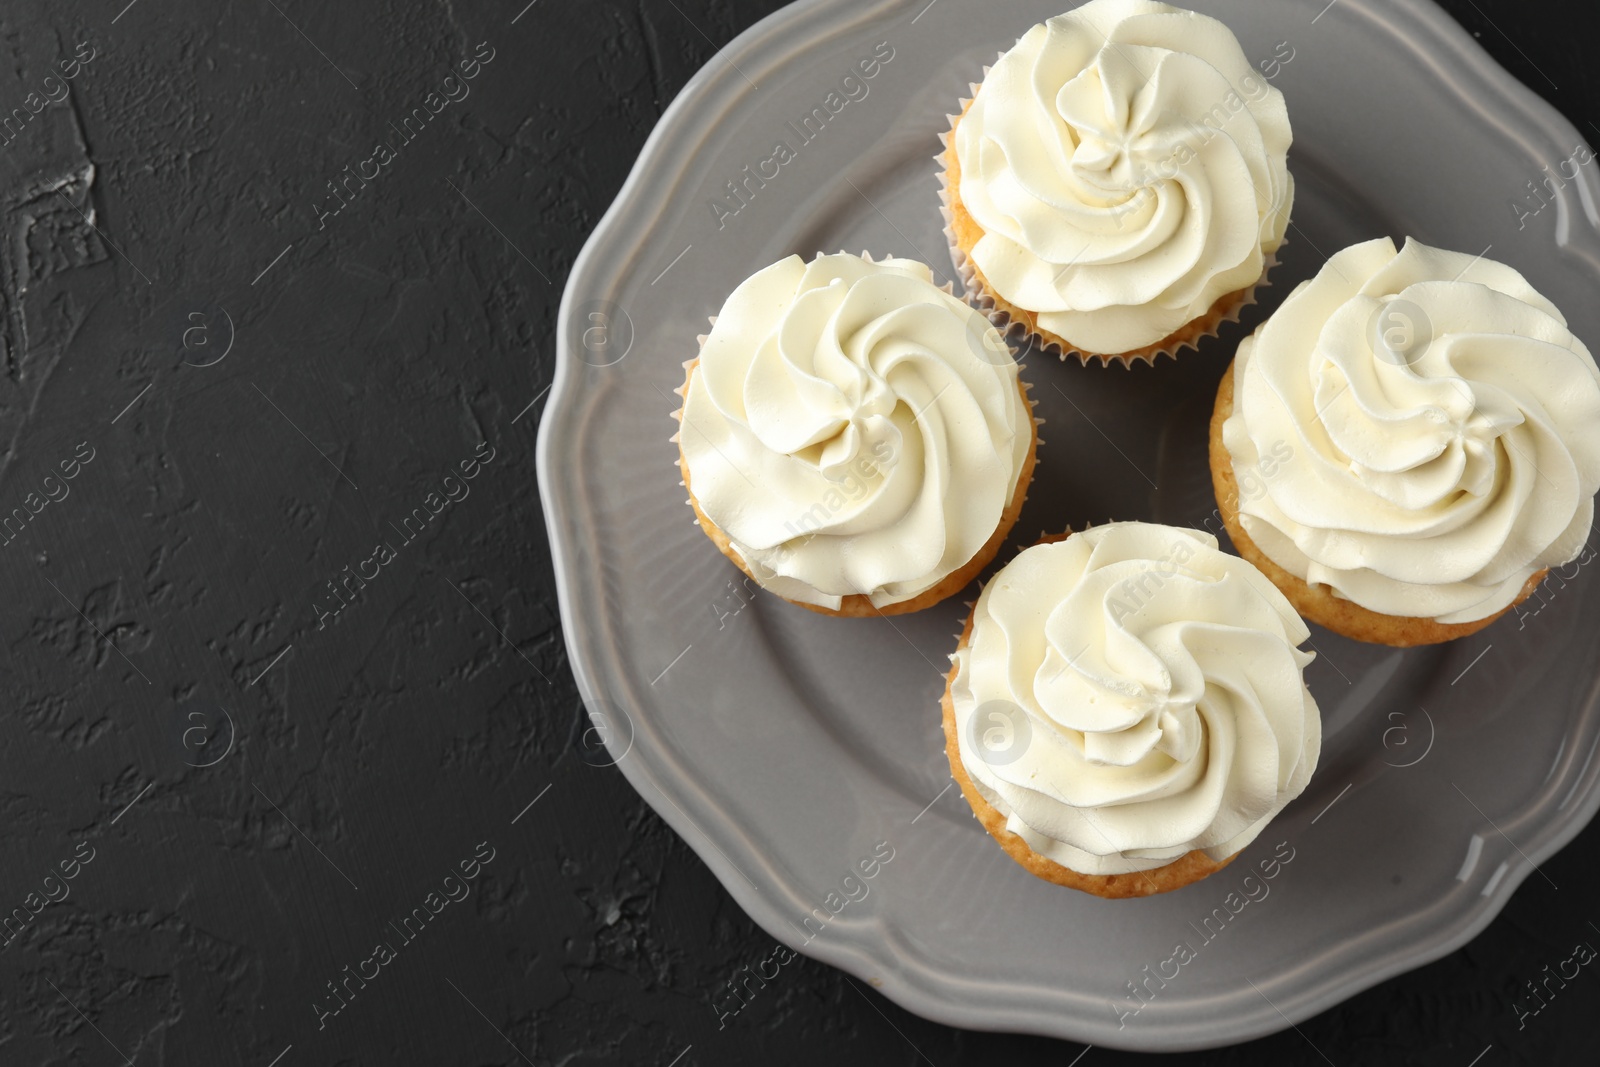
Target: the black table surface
(220, 786)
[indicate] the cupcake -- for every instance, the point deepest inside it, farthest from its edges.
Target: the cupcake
(854, 438)
(1408, 443)
(1126, 708)
(1116, 187)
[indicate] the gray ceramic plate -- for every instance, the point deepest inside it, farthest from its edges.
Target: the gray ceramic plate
(785, 746)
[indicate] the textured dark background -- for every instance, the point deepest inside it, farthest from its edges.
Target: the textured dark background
(261, 796)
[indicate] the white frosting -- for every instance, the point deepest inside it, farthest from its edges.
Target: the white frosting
(1127, 166)
(1133, 693)
(1443, 426)
(853, 429)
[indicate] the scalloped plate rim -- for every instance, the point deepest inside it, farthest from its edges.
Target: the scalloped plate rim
(868, 947)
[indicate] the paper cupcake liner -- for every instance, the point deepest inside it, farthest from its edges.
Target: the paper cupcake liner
(928, 597)
(1017, 331)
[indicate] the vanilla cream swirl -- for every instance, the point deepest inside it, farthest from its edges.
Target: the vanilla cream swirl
(1127, 166)
(853, 429)
(1444, 426)
(1132, 693)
